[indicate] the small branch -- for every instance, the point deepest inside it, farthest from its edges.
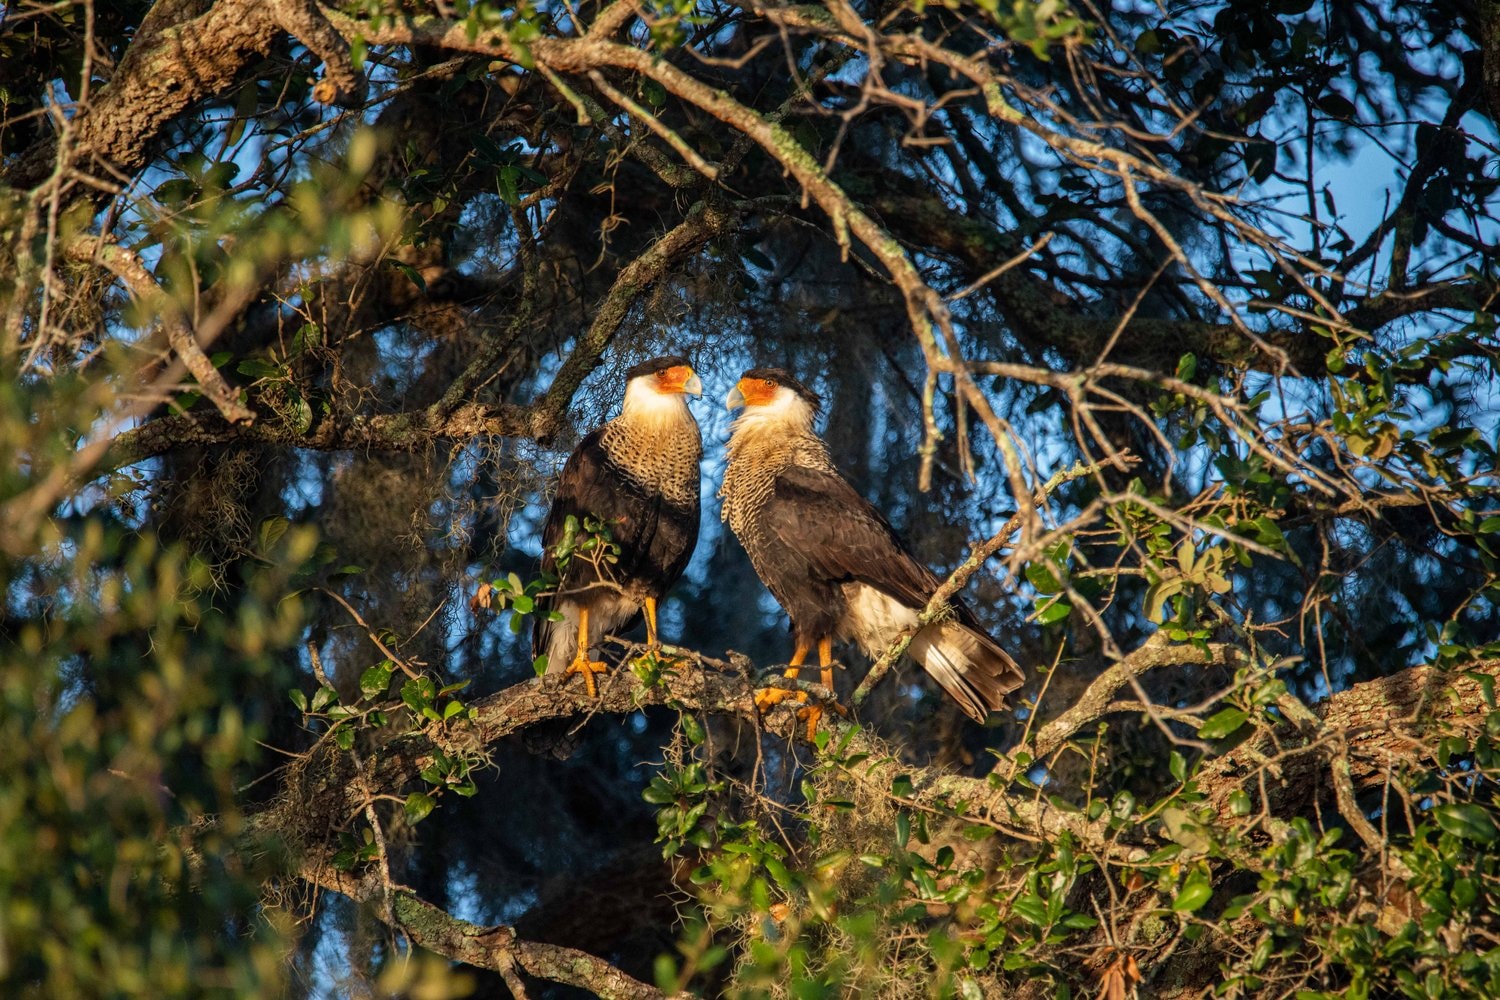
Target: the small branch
(703, 222)
(143, 287)
(612, 18)
(937, 604)
(1097, 700)
(668, 136)
(395, 658)
(1013, 262)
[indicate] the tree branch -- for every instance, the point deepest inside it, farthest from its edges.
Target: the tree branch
(342, 84)
(495, 948)
(142, 285)
(704, 221)
(411, 430)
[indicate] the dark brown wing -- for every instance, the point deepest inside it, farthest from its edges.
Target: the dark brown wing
(582, 489)
(843, 537)
(656, 537)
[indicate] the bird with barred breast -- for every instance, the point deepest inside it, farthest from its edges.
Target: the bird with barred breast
(636, 476)
(832, 560)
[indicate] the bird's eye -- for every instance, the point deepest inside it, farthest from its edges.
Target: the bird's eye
(768, 383)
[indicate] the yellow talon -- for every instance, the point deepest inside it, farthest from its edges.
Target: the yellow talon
(768, 698)
(588, 668)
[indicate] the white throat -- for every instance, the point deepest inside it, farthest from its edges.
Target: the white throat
(643, 402)
(785, 413)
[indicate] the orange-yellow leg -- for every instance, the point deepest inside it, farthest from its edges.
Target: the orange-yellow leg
(581, 663)
(652, 642)
(653, 638)
(767, 697)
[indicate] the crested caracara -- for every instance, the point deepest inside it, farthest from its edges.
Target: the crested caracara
(830, 558)
(638, 475)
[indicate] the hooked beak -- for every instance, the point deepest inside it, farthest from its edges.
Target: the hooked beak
(693, 385)
(735, 400)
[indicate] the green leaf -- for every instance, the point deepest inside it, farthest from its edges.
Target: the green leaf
(1041, 576)
(175, 191)
(1031, 909)
(1222, 723)
(412, 275)
(659, 792)
(1181, 828)
(417, 694)
(1196, 890)
(1054, 611)
(375, 680)
(344, 737)
(418, 806)
(451, 709)
(299, 699)
(1467, 821)
(256, 368)
(323, 697)
(270, 532)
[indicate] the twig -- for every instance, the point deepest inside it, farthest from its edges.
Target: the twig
(937, 604)
(392, 656)
(670, 137)
(143, 287)
(990, 276)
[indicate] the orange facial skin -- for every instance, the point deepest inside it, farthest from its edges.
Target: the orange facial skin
(678, 379)
(756, 391)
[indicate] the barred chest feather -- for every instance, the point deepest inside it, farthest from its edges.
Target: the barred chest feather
(756, 458)
(660, 455)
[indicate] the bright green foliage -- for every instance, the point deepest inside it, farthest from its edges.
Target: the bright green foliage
(124, 871)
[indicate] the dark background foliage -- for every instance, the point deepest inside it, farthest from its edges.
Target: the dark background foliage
(305, 305)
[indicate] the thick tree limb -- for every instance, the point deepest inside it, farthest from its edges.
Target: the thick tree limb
(1425, 696)
(174, 62)
(409, 431)
(494, 948)
(1384, 727)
